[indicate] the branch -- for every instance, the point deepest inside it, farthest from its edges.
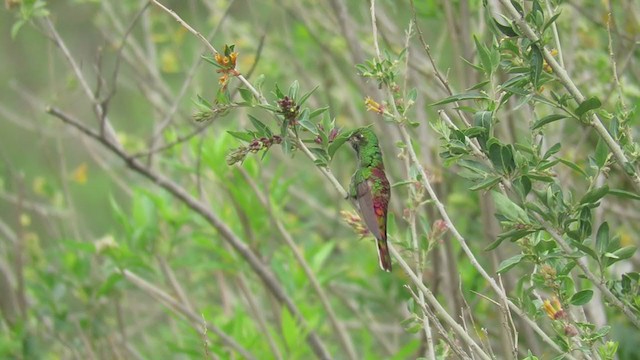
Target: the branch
(424, 179)
(270, 281)
(186, 26)
(566, 81)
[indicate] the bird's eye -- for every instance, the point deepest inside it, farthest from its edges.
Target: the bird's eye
(361, 136)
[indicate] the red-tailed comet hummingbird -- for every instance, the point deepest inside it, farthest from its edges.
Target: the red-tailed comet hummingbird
(371, 190)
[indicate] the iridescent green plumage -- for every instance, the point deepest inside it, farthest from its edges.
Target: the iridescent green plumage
(371, 190)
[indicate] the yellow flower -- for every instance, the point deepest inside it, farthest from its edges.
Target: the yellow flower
(372, 105)
(228, 66)
(545, 66)
(553, 308)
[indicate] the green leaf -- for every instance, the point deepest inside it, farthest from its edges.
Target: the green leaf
(321, 162)
(110, 283)
(485, 58)
(495, 156)
(263, 130)
(624, 194)
(223, 97)
(552, 150)
(203, 103)
(246, 95)
(412, 95)
(474, 166)
(279, 94)
(305, 123)
(603, 331)
(509, 209)
(487, 183)
(244, 136)
(287, 146)
(321, 255)
(551, 21)
(592, 196)
(501, 157)
(536, 65)
(507, 30)
(589, 104)
(291, 332)
(584, 222)
(537, 13)
(293, 90)
(319, 152)
(620, 254)
(474, 131)
(483, 119)
(547, 120)
(575, 167)
(211, 61)
(460, 97)
(268, 107)
(585, 249)
(304, 97)
(602, 238)
(337, 143)
(523, 184)
(15, 28)
(512, 235)
(507, 264)
(495, 243)
(479, 85)
(317, 112)
(601, 154)
(581, 297)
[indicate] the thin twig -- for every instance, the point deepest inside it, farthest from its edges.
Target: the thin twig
(612, 58)
(186, 26)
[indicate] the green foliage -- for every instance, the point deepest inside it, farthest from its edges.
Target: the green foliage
(508, 146)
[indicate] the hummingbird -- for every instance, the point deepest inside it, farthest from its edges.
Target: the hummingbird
(371, 190)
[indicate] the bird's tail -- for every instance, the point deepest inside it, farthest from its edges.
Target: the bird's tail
(383, 255)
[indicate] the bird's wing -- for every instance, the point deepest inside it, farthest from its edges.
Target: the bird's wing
(365, 202)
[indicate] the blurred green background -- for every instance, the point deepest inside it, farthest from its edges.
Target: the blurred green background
(72, 215)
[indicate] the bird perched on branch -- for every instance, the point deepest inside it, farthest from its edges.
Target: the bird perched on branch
(371, 190)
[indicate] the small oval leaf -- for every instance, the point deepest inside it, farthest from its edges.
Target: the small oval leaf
(581, 297)
(589, 104)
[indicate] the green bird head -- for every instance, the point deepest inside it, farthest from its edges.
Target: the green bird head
(362, 138)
